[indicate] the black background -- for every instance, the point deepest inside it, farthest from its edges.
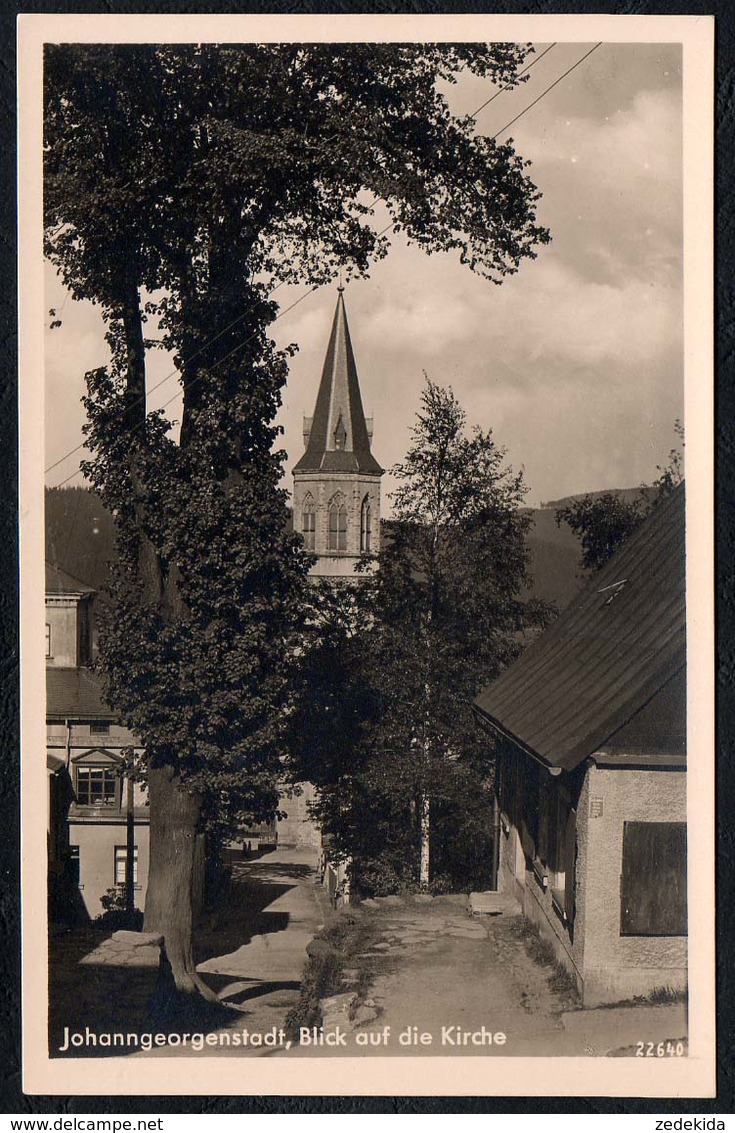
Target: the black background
(12, 1099)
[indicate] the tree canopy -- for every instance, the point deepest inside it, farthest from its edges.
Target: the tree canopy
(188, 182)
(281, 142)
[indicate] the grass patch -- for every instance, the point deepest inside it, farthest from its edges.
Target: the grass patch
(523, 929)
(661, 995)
(657, 997)
(541, 951)
(321, 978)
(563, 983)
(347, 934)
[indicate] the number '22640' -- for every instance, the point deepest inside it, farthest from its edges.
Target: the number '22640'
(659, 1050)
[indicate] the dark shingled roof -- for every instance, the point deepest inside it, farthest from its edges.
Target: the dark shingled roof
(338, 411)
(617, 648)
(75, 694)
(59, 582)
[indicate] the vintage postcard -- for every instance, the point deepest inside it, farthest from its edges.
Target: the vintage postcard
(367, 555)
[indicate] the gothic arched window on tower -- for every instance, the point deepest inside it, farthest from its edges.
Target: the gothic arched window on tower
(337, 524)
(308, 523)
(365, 526)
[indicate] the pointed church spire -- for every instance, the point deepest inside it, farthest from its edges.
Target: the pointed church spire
(338, 437)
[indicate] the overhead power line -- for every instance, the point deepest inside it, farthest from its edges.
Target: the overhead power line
(239, 346)
(511, 86)
(508, 86)
(171, 374)
(545, 92)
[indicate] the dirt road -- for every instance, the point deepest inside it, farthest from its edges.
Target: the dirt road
(450, 984)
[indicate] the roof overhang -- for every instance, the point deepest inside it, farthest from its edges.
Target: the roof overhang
(605, 760)
(505, 734)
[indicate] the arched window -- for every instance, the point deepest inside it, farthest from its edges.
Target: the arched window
(337, 524)
(365, 526)
(308, 522)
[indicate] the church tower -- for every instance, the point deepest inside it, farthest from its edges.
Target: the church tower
(336, 498)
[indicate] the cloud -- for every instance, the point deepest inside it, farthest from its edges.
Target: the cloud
(581, 381)
(612, 189)
(576, 362)
(594, 324)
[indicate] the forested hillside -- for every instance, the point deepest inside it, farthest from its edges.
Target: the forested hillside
(554, 558)
(79, 534)
(627, 495)
(80, 538)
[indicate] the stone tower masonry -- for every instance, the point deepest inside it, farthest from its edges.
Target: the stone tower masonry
(336, 508)
(336, 497)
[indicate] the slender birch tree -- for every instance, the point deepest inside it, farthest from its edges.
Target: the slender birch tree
(442, 614)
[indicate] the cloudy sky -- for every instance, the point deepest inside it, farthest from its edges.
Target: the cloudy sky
(575, 362)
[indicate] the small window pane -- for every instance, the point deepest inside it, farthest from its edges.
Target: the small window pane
(121, 859)
(308, 529)
(365, 526)
(337, 528)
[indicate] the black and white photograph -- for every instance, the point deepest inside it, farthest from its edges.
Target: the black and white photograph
(366, 527)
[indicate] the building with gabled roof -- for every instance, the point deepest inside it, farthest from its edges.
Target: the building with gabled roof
(98, 820)
(68, 619)
(590, 737)
(336, 496)
(59, 581)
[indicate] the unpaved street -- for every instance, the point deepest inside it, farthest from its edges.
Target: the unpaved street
(448, 973)
(450, 984)
(443, 977)
(441, 982)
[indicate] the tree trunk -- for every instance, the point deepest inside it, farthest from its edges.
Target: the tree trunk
(424, 831)
(169, 900)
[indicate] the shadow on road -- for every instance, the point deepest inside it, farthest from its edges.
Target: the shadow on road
(254, 888)
(116, 999)
(266, 871)
(239, 992)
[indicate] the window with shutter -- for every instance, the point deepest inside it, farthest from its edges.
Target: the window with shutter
(653, 899)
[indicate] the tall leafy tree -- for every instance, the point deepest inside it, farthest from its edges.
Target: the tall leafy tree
(188, 182)
(441, 615)
(603, 522)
